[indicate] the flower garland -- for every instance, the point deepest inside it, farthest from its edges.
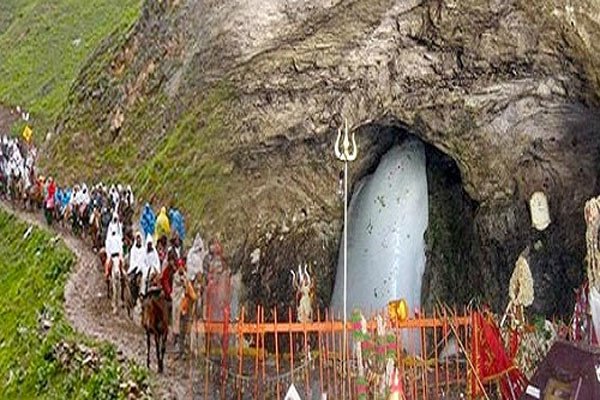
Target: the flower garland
(373, 352)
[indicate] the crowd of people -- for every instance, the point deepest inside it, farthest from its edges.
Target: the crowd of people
(147, 261)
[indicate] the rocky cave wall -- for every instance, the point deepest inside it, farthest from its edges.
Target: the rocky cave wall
(229, 108)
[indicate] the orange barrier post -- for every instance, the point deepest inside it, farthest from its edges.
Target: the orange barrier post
(262, 344)
(435, 356)
(334, 369)
(278, 389)
(307, 355)
(240, 353)
(291, 345)
(445, 332)
(256, 341)
(321, 351)
(425, 389)
(207, 340)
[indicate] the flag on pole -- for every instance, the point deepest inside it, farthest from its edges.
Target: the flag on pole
(27, 133)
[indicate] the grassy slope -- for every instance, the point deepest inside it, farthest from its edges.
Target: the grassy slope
(38, 57)
(179, 169)
(32, 278)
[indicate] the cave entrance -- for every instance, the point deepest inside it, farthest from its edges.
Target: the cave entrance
(410, 225)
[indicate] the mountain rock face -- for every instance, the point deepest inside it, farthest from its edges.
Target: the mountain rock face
(230, 108)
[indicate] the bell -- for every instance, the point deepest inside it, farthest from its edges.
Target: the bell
(402, 310)
(398, 310)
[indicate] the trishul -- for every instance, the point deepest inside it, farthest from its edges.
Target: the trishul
(345, 153)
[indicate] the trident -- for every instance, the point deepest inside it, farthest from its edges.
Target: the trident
(345, 154)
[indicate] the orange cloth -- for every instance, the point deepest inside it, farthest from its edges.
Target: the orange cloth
(188, 298)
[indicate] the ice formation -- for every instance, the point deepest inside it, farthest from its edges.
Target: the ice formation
(388, 216)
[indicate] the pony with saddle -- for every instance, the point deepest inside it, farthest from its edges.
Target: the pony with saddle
(155, 320)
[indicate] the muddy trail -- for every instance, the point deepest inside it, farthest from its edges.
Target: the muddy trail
(89, 311)
(7, 118)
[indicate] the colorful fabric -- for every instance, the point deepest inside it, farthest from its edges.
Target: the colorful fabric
(189, 298)
(166, 281)
(492, 361)
(582, 326)
(163, 228)
(147, 220)
(594, 298)
(177, 222)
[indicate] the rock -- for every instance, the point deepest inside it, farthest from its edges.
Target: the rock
(255, 256)
(27, 232)
(507, 90)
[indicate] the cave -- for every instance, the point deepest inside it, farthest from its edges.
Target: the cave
(411, 227)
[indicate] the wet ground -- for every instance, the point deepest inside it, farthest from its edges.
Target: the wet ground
(89, 311)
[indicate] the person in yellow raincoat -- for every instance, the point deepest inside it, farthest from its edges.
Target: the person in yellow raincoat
(163, 227)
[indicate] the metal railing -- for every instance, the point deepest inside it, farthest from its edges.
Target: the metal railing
(260, 357)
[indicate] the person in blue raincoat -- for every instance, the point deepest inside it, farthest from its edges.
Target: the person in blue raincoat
(148, 220)
(177, 222)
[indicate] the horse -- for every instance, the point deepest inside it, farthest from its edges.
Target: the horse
(103, 258)
(155, 320)
(116, 281)
(34, 197)
(132, 291)
(15, 186)
(73, 217)
(95, 229)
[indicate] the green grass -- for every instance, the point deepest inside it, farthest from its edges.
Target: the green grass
(39, 59)
(33, 272)
(184, 166)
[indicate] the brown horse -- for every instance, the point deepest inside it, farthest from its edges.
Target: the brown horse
(36, 196)
(155, 320)
(95, 231)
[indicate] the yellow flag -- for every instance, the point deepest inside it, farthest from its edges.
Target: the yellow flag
(27, 133)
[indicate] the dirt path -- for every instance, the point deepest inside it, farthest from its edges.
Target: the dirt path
(88, 311)
(6, 119)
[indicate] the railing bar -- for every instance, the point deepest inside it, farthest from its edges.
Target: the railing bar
(307, 367)
(207, 338)
(241, 353)
(320, 354)
(446, 361)
(424, 357)
(435, 355)
(277, 353)
(257, 341)
(262, 338)
(334, 356)
(458, 338)
(291, 346)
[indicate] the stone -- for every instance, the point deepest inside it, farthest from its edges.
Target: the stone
(540, 212)
(506, 89)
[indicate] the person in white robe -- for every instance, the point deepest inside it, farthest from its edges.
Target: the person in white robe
(114, 197)
(137, 265)
(137, 256)
(152, 264)
(114, 243)
(129, 196)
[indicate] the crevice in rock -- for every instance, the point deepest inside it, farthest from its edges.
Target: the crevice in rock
(451, 275)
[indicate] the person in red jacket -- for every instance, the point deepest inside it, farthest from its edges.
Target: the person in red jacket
(166, 281)
(49, 200)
